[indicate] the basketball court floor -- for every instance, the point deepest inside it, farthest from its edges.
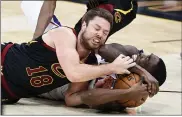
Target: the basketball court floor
(154, 35)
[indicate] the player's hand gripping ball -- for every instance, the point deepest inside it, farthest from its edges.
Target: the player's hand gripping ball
(125, 82)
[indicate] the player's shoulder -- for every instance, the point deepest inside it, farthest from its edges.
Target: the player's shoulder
(62, 29)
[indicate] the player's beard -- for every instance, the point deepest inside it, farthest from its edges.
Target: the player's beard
(86, 41)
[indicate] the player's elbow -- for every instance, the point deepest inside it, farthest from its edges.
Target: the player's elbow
(68, 102)
(70, 99)
(67, 99)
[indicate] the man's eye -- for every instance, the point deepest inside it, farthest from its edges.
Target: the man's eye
(105, 34)
(97, 29)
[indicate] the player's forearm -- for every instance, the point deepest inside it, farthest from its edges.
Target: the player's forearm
(85, 72)
(111, 51)
(45, 16)
(138, 70)
(96, 97)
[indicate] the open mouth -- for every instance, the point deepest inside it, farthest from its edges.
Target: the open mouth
(96, 42)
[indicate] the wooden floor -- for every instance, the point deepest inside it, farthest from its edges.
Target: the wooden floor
(142, 32)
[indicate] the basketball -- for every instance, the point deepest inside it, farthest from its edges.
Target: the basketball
(125, 82)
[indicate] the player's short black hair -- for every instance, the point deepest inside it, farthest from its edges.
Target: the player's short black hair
(160, 72)
(91, 14)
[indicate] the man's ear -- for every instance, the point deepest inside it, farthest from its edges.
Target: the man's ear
(84, 25)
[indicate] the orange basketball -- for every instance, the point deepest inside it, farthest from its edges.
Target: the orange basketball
(125, 82)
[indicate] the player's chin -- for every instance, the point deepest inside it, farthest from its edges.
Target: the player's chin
(95, 46)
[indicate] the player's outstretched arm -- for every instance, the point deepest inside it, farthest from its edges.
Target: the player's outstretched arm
(45, 16)
(65, 44)
(111, 51)
(78, 94)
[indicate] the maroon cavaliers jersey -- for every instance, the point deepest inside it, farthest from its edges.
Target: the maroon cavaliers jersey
(32, 68)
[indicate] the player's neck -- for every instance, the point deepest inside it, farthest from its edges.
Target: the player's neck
(82, 51)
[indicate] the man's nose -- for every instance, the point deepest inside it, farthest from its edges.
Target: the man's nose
(99, 34)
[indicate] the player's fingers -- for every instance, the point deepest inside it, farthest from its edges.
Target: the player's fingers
(151, 95)
(131, 65)
(145, 93)
(141, 80)
(126, 58)
(127, 72)
(149, 89)
(121, 56)
(130, 61)
(149, 85)
(143, 86)
(134, 57)
(154, 88)
(157, 87)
